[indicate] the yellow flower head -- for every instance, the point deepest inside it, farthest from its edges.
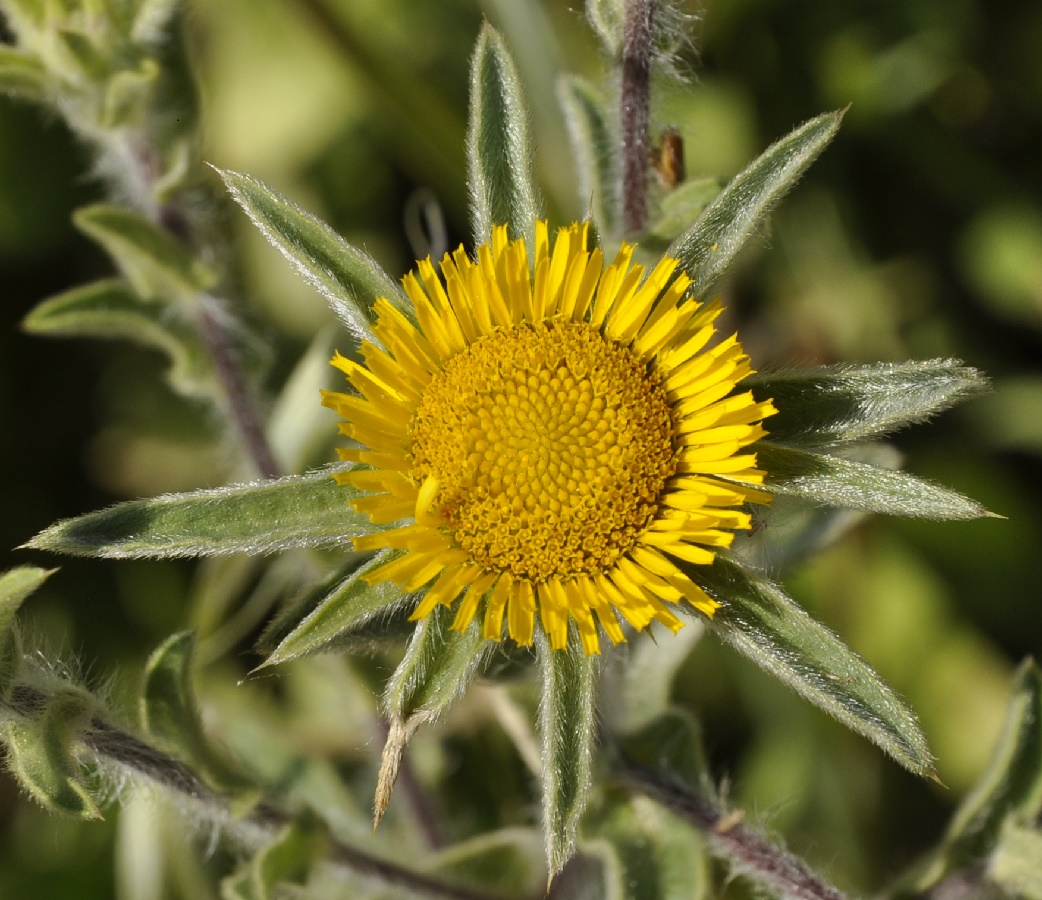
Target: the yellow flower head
(558, 436)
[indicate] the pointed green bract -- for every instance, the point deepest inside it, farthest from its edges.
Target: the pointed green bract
(1011, 788)
(154, 262)
(350, 280)
(833, 481)
(41, 754)
(169, 712)
(568, 730)
(295, 512)
(110, 309)
(22, 75)
(593, 146)
(15, 586)
(499, 152)
(834, 404)
(708, 248)
(437, 669)
(761, 622)
(350, 604)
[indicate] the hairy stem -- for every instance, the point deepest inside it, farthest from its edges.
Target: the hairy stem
(749, 852)
(635, 101)
(110, 745)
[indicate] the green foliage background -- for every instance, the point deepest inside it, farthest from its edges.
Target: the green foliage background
(917, 235)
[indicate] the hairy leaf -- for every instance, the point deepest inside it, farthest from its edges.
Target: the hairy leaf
(22, 75)
(438, 666)
(499, 153)
(15, 586)
(507, 864)
(295, 512)
(761, 622)
(593, 146)
(41, 753)
(169, 712)
(1011, 788)
(708, 248)
(154, 262)
(677, 210)
(660, 856)
(833, 481)
(568, 728)
(349, 279)
(350, 604)
(110, 309)
(834, 404)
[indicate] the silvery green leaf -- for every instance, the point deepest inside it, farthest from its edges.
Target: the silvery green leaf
(499, 152)
(834, 404)
(154, 261)
(110, 309)
(296, 512)
(22, 75)
(506, 864)
(643, 682)
(349, 279)
(761, 622)
(41, 754)
(15, 585)
(708, 248)
(833, 481)
(678, 209)
(287, 858)
(169, 712)
(660, 856)
(349, 604)
(593, 146)
(1011, 788)
(607, 17)
(1016, 863)
(436, 670)
(568, 730)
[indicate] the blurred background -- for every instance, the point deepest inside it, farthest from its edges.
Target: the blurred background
(917, 235)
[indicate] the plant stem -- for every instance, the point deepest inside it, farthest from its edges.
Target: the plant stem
(749, 852)
(236, 388)
(635, 101)
(112, 746)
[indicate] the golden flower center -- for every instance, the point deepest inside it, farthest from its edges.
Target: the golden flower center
(551, 446)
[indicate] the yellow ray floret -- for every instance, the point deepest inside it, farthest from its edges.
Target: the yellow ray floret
(551, 443)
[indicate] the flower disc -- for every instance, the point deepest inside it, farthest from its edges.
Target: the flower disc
(559, 437)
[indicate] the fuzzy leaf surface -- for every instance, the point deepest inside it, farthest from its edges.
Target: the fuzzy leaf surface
(22, 75)
(437, 668)
(351, 603)
(1011, 787)
(834, 481)
(154, 262)
(834, 404)
(499, 149)
(110, 309)
(295, 512)
(593, 145)
(170, 714)
(660, 856)
(568, 728)
(708, 248)
(15, 586)
(42, 757)
(768, 627)
(349, 279)
(507, 864)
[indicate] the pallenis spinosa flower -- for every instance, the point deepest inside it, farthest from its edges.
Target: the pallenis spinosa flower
(554, 435)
